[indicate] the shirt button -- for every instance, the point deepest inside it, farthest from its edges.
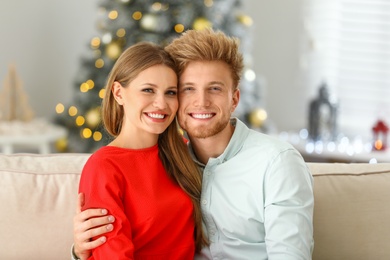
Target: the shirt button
(207, 173)
(204, 202)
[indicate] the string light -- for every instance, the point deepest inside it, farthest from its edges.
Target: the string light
(95, 42)
(97, 136)
(60, 108)
(86, 133)
(156, 6)
(90, 83)
(201, 23)
(99, 63)
(137, 15)
(107, 38)
(102, 92)
(121, 32)
(72, 111)
(179, 28)
(80, 120)
(113, 14)
(84, 87)
(246, 20)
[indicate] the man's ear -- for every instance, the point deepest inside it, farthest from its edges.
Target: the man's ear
(236, 99)
(117, 92)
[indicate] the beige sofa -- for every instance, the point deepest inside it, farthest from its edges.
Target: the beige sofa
(38, 196)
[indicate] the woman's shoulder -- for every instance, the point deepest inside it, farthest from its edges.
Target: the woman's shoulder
(101, 153)
(102, 164)
(102, 157)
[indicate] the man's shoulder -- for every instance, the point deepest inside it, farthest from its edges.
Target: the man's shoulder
(250, 135)
(258, 142)
(255, 138)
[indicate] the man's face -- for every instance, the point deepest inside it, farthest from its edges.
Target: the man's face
(206, 98)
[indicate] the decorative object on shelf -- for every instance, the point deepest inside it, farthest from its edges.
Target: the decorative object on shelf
(351, 148)
(323, 116)
(380, 131)
(13, 100)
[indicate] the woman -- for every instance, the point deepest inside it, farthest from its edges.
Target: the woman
(145, 177)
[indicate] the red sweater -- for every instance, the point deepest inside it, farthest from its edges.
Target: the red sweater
(153, 215)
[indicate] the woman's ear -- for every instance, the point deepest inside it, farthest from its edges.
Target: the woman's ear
(117, 92)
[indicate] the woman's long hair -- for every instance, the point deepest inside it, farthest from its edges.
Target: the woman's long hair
(179, 164)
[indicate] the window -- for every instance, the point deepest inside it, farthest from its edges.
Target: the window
(348, 47)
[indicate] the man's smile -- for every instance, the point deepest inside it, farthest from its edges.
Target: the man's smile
(202, 115)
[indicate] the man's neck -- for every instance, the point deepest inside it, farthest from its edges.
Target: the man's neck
(211, 147)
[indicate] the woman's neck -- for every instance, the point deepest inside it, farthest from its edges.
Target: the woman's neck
(131, 140)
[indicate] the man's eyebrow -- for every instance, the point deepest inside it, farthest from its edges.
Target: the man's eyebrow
(216, 83)
(211, 83)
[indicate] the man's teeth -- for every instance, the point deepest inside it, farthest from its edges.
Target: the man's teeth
(202, 115)
(159, 116)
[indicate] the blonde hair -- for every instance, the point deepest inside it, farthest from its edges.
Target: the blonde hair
(173, 152)
(207, 45)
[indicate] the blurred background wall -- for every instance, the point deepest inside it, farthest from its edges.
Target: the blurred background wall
(45, 39)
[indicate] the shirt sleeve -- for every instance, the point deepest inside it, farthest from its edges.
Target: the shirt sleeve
(103, 186)
(289, 203)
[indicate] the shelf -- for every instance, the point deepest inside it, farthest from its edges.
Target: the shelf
(37, 133)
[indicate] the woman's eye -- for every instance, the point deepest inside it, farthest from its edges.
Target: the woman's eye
(149, 90)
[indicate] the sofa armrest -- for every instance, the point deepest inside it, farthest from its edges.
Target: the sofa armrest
(351, 210)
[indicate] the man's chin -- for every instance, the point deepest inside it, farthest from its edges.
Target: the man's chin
(200, 132)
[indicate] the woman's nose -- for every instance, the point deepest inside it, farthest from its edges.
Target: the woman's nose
(160, 102)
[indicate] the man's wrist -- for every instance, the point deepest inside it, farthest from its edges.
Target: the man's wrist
(73, 254)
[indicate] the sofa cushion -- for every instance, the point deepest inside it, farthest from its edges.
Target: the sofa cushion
(37, 196)
(351, 211)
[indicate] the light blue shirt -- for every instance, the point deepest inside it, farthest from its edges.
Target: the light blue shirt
(257, 200)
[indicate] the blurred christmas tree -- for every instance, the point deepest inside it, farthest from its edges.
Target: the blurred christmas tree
(123, 23)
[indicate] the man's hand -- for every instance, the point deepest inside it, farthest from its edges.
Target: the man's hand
(88, 224)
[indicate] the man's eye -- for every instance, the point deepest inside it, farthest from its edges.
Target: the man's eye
(172, 92)
(187, 88)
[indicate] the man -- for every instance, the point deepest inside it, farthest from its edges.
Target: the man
(257, 196)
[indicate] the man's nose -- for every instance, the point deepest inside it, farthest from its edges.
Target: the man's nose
(202, 99)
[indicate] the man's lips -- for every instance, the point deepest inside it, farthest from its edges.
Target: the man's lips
(202, 115)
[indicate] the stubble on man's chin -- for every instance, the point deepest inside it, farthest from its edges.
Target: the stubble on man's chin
(203, 132)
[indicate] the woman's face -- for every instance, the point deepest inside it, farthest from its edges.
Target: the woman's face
(149, 101)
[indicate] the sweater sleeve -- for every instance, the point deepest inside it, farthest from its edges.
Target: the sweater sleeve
(102, 185)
